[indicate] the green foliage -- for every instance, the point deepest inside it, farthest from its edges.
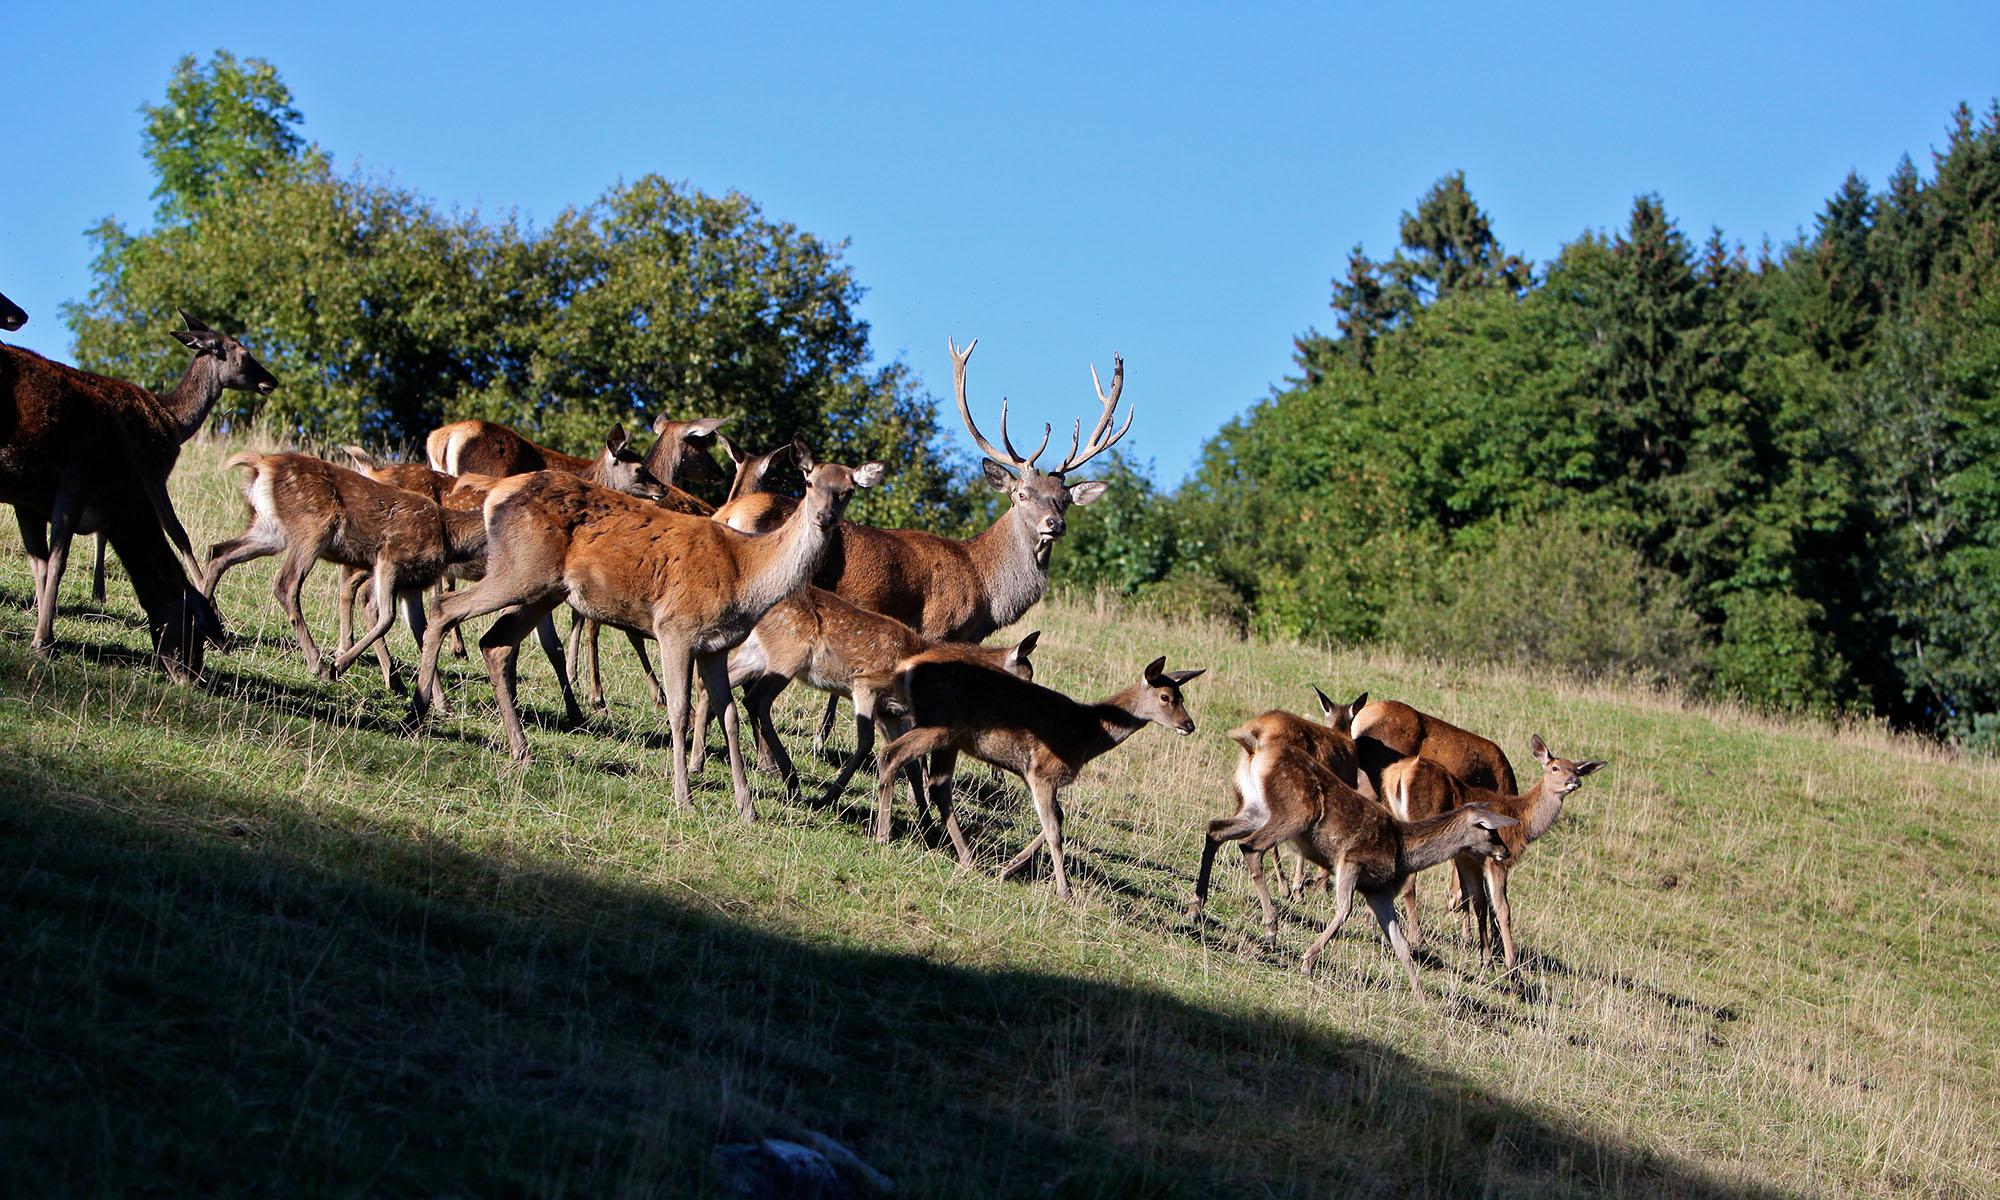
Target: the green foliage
(1119, 541)
(385, 316)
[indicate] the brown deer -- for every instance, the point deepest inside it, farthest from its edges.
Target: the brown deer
(12, 315)
(953, 590)
(1334, 749)
(1389, 731)
(78, 438)
(697, 586)
(843, 649)
(1419, 788)
(1285, 794)
(751, 470)
(957, 707)
(310, 510)
(490, 448)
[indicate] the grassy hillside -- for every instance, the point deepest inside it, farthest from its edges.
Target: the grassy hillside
(258, 939)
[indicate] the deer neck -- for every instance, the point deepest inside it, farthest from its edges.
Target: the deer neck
(1539, 810)
(190, 400)
(781, 562)
(1004, 554)
(1114, 721)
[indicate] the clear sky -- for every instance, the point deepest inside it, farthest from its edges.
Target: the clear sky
(1176, 182)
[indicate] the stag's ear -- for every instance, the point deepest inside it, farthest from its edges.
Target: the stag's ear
(705, 428)
(1084, 493)
(615, 440)
(1152, 673)
(997, 475)
(1540, 749)
(191, 323)
(869, 474)
(802, 456)
(1585, 768)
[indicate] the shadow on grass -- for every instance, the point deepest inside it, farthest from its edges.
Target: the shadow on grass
(211, 993)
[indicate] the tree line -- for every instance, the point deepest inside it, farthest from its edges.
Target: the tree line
(1770, 477)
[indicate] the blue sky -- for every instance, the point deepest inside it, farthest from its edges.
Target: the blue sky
(1179, 183)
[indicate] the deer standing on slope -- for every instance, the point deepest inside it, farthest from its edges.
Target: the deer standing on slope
(953, 590)
(79, 446)
(1287, 795)
(1417, 788)
(697, 586)
(958, 707)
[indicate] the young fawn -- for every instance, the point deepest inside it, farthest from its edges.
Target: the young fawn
(1418, 788)
(956, 707)
(844, 650)
(1287, 795)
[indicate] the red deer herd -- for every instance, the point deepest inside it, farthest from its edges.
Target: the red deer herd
(763, 591)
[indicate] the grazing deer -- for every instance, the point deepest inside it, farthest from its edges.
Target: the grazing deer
(953, 590)
(957, 707)
(312, 510)
(12, 315)
(697, 586)
(1285, 794)
(1389, 731)
(76, 438)
(845, 650)
(1416, 788)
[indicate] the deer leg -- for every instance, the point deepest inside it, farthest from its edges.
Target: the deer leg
(1409, 892)
(345, 586)
(1220, 830)
(573, 647)
(385, 617)
(1503, 917)
(414, 616)
(445, 588)
(943, 763)
(488, 595)
(645, 665)
(1343, 903)
(758, 696)
(1383, 904)
(826, 723)
(286, 587)
(1050, 811)
(97, 570)
(676, 663)
(35, 542)
(914, 744)
(698, 731)
(714, 668)
(864, 745)
(62, 527)
(552, 649)
(501, 647)
(1254, 860)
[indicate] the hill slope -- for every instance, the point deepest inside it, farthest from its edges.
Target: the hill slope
(259, 939)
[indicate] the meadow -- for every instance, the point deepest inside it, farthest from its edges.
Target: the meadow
(260, 939)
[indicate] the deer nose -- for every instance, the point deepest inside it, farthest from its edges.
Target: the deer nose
(1053, 526)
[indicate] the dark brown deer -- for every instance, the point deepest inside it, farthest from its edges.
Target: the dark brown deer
(1419, 788)
(311, 510)
(697, 586)
(953, 590)
(78, 438)
(1285, 794)
(1331, 745)
(12, 315)
(843, 649)
(957, 707)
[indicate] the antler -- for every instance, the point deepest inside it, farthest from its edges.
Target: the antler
(1098, 444)
(1010, 456)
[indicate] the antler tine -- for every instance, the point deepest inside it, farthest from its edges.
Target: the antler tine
(1098, 444)
(958, 359)
(1005, 441)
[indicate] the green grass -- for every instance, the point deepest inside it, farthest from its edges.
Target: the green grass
(258, 939)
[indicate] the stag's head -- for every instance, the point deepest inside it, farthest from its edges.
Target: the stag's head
(1560, 776)
(829, 486)
(12, 315)
(1160, 696)
(681, 455)
(619, 469)
(235, 368)
(1042, 498)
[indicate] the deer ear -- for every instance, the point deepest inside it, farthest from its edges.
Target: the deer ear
(1491, 820)
(1181, 677)
(1154, 668)
(660, 424)
(1360, 702)
(802, 456)
(615, 440)
(730, 448)
(1027, 646)
(1326, 704)
(705, 427)
(1245, 737)
(201, 341)
(869, 474)
(192, 324)
(1585, 768)
(361, 457)
(1084, 493)
(996, 474)
(1540, 749)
